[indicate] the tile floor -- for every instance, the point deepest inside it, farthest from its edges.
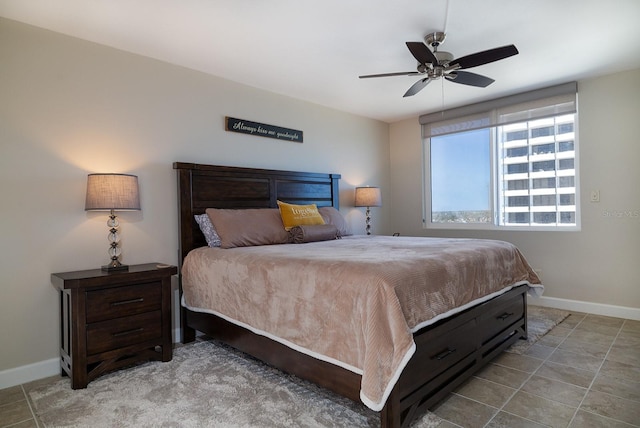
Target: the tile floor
(583, 373)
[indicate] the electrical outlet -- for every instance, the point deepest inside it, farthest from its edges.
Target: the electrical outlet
(595, 196)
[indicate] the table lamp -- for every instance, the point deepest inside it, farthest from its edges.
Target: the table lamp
(368, 197)
(112, 192)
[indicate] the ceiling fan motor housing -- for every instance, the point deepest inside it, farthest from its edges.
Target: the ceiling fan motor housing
(443, 57)
(436, 71)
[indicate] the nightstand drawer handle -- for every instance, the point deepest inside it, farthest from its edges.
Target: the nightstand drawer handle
(126, 302)
(124, 333)
(505, 316)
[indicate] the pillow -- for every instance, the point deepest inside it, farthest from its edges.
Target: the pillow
(334, 217)
(313, 233)
(209, 232)
(248, 227)
(298, 215)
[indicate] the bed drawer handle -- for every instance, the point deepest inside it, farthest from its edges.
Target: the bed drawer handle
(126, 302)
(124, 333)
(444, 354)
(505, 316)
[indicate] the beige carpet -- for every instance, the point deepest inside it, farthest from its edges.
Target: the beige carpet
(210, 385)
(539, 321)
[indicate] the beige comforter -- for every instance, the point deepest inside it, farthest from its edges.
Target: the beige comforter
(354, 301)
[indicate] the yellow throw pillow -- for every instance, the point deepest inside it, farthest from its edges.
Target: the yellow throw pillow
(299, 215)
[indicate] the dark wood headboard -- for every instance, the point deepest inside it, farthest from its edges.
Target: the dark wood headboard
(210, 186)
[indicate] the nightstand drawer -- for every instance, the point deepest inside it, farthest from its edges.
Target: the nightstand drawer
(118, 302)
(121, 332)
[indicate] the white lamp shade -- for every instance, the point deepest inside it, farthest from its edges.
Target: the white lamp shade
(368, 197)
(107, 192)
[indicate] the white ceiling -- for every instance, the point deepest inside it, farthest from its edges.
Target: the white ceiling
(315, 50)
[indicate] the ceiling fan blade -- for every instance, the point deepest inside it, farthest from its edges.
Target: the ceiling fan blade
(400, 73)
(484, 57)
(471, 79)
(422, 53)
(417, 87)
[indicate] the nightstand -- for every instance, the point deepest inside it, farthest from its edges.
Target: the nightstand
(113, 319)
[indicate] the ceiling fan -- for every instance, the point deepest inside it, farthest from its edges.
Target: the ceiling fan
(437, 64)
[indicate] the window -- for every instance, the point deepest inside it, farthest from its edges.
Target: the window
(469, 181)
(507, 163)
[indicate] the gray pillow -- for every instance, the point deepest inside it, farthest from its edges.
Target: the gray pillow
(209, 232)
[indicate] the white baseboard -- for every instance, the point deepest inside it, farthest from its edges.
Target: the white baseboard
(586, 307)
(42, 369)
(30, 372)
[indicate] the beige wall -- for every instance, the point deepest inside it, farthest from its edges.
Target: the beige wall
(70, 107)
(601, 263)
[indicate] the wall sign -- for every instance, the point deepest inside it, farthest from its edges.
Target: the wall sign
(262, 129)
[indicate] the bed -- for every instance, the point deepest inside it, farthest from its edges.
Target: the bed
(440, 352)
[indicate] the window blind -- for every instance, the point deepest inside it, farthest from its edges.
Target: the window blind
(538, 104)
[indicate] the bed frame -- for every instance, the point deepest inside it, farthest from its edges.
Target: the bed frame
(447, 353)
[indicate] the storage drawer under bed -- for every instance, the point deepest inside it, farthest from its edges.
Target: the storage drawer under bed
(500, 318)
(445, 348)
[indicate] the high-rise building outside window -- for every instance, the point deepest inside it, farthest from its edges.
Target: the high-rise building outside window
(543, 192)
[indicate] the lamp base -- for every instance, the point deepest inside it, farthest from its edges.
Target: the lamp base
(115, 266)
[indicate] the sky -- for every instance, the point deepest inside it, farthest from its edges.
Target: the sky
(460, 171)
